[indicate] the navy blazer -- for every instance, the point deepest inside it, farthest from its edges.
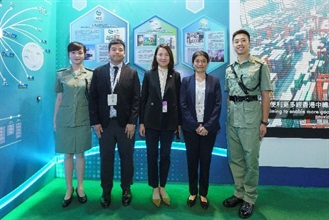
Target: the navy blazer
(128, 94)
(213, 99)
(151, 101)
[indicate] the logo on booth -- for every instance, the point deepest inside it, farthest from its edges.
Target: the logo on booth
(98, 16)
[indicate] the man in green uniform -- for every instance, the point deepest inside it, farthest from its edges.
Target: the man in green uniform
(246, 79)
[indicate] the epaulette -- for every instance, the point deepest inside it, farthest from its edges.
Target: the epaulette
(229, 65)
(89, 69)
(62, 69)
(258, 60)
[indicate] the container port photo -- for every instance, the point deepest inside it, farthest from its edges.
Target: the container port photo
(292, 38)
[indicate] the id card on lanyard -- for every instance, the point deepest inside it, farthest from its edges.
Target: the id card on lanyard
(164, 106)
(112, 99)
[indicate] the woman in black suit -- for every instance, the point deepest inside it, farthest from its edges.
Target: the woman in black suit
(160, 118)
(200, 100)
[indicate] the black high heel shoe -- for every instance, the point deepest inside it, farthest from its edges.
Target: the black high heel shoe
(67, 202)
(82, 199)
(190, 202)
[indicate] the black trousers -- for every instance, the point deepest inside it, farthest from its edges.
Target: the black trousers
(112, 135)
(198, 152)
(152, 138)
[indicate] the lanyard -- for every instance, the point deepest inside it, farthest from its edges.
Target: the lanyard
(115, 81)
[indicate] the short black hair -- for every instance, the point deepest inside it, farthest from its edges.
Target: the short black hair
(241, 31)
(75, 45)
(116, 41)
(200, 53)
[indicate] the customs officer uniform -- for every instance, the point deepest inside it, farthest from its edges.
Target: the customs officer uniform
(73, 132)
(244, 115)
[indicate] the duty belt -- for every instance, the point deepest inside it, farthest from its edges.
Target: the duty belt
(248, 98)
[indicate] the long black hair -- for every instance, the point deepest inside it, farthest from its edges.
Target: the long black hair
(171, 58)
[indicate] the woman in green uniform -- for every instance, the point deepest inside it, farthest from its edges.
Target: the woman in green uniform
(71, 119)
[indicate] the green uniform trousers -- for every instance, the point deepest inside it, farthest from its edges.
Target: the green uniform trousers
(243, 156)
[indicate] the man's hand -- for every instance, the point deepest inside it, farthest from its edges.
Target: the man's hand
(262, 131)
(130, 130)
(98, 130)
(142, 130)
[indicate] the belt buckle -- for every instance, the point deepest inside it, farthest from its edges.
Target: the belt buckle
(248, 99)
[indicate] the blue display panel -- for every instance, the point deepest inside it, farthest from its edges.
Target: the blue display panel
(207, 35)
(96, 29)
(148, 36)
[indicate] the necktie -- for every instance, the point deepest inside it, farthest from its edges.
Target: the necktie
(116, 69)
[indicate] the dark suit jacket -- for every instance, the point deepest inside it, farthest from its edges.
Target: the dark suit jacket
(213, 99)
(128, 94)
(151, 102)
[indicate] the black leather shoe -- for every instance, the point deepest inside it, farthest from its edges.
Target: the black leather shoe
(82, 199)
(246, 210)
(105, 201)
(67, 202)
(190, 202)
(126, 197)
(204, 205)
(232, 201)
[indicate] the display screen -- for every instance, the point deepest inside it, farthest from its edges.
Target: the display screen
(292, 38)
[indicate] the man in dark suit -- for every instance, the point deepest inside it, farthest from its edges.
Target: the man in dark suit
(114, 108)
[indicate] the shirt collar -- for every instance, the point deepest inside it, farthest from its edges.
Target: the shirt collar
(162, 71)
(112, 65)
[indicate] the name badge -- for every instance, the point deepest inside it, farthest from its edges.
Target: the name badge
(164, 107)
(112, 99)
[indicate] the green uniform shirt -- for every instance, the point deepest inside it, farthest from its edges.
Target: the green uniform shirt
(246, 114)
(73, 110)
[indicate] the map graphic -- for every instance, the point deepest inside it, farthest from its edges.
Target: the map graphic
(20, 43)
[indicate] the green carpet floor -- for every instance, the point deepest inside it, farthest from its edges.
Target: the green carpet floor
(274, 202)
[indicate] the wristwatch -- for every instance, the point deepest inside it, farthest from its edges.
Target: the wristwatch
(264, 122)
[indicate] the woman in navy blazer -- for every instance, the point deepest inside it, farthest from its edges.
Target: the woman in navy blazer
(200, 100)
(160, 118)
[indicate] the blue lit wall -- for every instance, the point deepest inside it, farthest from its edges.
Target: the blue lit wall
(34, 37)
(26, 135)
(135, 12)
(27, 67)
